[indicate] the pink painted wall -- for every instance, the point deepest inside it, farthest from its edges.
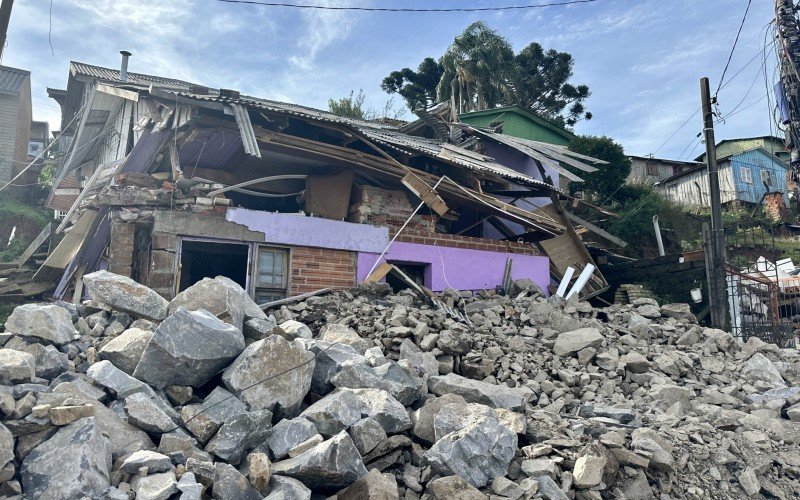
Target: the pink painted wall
(462, 268)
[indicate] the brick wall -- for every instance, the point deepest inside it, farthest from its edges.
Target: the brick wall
(387, 208)
(316, 268)
(774, 207)
(120, 250)
(161, 272)
(391, 208)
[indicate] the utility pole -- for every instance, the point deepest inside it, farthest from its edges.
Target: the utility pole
(5, 17)
(718, 296)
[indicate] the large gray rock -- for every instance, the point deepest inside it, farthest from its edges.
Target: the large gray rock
(105, 374)
(74, 463)
(6, 445)
(455, 342)
(220, 296)
(475, 391)
(391, 377)
(123, 294)
(334, 413)
(453, 417)
(760, 369)
(42, 322)
(145, 414)
(384, 408)
(123, 437)
(239, 434)
(154, 461)
(189, 487)
(478, 453)
(188, 348)
(229, 483)
(204, 420)
(330, 465)
(423, 418)
(272, 374)
(342, 334)
(287, 434)
(287, 488)
(366, 434)
(49, 361)
(159, 486)
(16, 367)
(329, 359)
(125, 350)
(372, 486)
(576, 340)
(446, 488)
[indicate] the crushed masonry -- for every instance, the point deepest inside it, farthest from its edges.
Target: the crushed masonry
(363, 393)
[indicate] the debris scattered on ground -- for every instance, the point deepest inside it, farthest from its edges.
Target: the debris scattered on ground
(367, 394)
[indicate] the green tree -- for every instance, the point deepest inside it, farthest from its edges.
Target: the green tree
(480, 71)
(605, 182)
(351, 106)
(418, 88)
(477, 68)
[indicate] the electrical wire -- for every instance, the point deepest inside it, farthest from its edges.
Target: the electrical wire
(405, 9)
(733, 48)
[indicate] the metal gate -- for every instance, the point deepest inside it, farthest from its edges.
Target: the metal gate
(762, 291)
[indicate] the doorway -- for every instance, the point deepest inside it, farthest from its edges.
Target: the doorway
(208, 259)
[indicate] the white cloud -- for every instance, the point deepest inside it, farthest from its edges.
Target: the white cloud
(322, 28)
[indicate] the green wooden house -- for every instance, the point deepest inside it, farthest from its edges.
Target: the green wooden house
(519, 122)
(730, 147)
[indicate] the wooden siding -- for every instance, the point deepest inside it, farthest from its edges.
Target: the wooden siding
(23, 135)
(8, 133)
(757, 161)
(693, 189)
(517, 125)
(665, 168)
(736, 146)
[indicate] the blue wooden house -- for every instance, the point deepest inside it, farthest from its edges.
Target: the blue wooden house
(744, 178)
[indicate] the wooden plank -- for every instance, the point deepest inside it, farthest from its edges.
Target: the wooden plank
(600, 232)
(35, 244)
(425, 193)
(78, 293)
(59, 258)
(379, 273)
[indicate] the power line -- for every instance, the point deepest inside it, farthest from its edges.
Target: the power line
(404, 9)
(733, 48)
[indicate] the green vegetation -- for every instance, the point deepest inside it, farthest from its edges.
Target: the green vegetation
(605, 182)
(480, 71)
(352, 106)
(28, 220)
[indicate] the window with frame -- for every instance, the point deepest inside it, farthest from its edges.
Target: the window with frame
(766, 177)
(651, 168)
(747, 175)
(271, 274)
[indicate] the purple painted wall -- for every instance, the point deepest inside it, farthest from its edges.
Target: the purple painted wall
(462, 268)
(292, 229)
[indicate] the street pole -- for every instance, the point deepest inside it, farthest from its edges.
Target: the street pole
(5, 17)
(718, 293)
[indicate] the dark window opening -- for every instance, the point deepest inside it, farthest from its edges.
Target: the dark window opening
(272, 274)
(206, 259)
(415, 272)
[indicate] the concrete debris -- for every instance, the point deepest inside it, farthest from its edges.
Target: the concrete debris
(362, 393)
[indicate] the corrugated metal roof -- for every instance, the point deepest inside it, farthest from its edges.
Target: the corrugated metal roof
(112, 75)
(11, 79)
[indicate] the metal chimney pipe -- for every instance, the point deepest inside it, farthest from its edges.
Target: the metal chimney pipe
(123, 71)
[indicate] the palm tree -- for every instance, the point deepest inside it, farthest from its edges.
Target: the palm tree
(476, 67)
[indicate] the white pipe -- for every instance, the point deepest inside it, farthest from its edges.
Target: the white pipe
(562, 287)
(581, 281)
(658, 236)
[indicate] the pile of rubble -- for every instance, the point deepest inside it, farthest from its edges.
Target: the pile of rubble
(365, 394)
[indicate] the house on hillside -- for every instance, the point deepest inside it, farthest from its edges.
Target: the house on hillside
(769, 143)
(173, 182)
(751, 177)
(646, 170)
(519, 122)
(15, 122)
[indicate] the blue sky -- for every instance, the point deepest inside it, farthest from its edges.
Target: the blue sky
(642, 59)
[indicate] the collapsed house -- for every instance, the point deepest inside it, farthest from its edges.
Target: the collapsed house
(168, 182)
